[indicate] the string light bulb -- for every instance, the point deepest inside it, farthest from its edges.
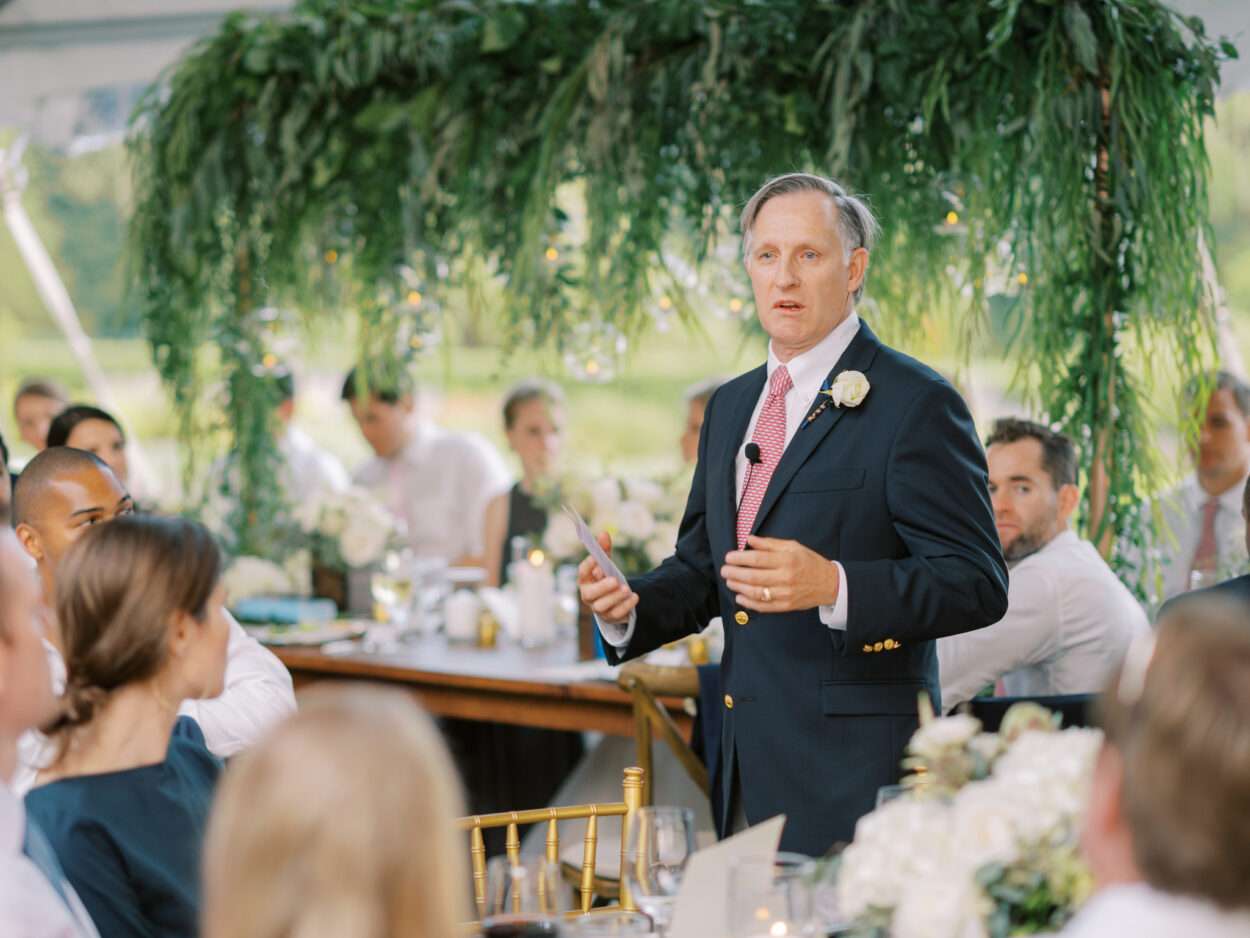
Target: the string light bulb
(552, 254)
(952, 218)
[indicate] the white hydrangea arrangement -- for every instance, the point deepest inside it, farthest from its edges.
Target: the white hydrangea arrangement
(984, 844)
(248, 576)
(349, 528)
(641, 515)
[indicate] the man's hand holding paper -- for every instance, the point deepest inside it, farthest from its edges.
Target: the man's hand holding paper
(602, 585)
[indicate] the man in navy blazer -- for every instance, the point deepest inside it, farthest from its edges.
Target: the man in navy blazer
(871, 536)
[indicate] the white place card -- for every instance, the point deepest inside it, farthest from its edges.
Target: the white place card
(702, 906)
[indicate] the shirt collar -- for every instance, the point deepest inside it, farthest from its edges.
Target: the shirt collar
(1229, 501)
(809, 369)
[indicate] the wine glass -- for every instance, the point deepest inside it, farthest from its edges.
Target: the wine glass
(888, 793)
(530, 889)
(391, 587)
(771, 897)
(657, 846)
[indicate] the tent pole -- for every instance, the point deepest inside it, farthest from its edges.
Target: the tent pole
(57, 300)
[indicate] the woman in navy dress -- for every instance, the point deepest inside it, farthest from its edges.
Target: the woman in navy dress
(125, 803)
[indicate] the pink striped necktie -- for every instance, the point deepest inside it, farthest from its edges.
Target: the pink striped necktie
(1207, 555)
(770, 437)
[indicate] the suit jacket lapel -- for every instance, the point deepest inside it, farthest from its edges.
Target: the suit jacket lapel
(857, 357)
(738, 412)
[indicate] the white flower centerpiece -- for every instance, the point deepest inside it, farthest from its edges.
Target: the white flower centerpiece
(347, 533)
(984, 844)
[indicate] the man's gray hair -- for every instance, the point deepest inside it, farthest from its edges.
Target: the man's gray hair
(856, 225)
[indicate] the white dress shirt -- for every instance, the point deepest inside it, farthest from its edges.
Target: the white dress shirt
(1068, 625)
(29, 906)
(1181, 513)
(808, 372)
(307, 469)
(1140, 911)
(258, 694)
(439, 486)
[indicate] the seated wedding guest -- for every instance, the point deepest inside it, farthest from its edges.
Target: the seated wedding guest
(1202, 539)
(37, 401)
(436, 482)
(63, 494)
(36, 900)
(307, 468)
(533, 419)
(1167, 824)
(1238, 587)
(97, 431)
(283, 859)
(697, 396)
(141, 611)
(1069, 618)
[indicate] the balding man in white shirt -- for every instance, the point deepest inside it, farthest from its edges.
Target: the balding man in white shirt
(1069, 619)
(435, 481)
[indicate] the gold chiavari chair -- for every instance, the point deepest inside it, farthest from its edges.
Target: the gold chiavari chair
(626, 810)
(651, 718)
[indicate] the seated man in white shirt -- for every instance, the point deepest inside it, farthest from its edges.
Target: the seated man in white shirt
(1166, 830)
(436, 482)
(1202, 538)
(308, 471)
(36, 900)
(307, 468)
(1069, 618)
(60, 494)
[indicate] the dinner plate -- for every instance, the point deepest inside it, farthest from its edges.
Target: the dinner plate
(310, 634)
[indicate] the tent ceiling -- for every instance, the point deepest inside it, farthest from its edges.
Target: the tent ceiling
(72, 68)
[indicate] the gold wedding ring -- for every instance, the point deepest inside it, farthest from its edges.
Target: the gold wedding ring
(768, 595)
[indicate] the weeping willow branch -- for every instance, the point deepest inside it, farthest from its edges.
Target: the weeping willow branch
(366, 142)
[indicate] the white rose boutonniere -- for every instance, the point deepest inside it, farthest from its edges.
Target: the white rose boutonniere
(849, 389)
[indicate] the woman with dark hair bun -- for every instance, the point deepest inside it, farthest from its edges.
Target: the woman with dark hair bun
(97, 431)
(140, 606)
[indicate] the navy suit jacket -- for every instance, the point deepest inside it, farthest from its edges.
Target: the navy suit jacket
(816, 719)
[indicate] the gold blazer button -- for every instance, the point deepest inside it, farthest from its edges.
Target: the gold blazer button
(741, 617)
(890, 644)
(729, 702)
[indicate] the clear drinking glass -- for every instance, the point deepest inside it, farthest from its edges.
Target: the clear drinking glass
(658, 844)
(531, 889)
(392, 587)
(887, 793)
(771, 897)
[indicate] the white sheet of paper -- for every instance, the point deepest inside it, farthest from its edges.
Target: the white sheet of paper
(702, 906)
(592, 546)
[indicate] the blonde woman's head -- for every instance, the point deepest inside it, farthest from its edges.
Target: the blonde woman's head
(340, 823)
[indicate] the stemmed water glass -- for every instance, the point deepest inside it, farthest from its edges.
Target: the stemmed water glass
(771, 897)
(530, 889)
(657, 846)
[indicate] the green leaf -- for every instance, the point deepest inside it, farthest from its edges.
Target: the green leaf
(502, 29)
(1081, 33)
